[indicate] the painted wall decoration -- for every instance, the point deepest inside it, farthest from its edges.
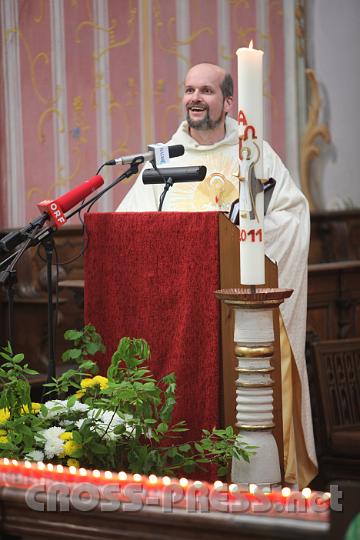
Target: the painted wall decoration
(87, 80)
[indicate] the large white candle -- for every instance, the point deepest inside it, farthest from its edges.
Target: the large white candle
(250, 119)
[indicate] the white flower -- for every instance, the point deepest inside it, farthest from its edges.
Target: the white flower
(80, 407)
(104, 422)
(65, 423)
(35, 455)
(55, 407)
(58, 407)
(53, 444)
(111, 419)
(80, 422)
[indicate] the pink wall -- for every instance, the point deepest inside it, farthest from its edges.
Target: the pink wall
(61, 129)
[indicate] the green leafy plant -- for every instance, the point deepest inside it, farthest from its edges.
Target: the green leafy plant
(122, 421)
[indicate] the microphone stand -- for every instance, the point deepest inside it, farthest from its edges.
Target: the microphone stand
(44, 236)
(8, 279)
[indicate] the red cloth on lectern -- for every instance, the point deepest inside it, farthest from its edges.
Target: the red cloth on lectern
(153, 276)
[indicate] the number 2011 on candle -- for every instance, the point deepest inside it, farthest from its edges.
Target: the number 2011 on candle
(252, 235)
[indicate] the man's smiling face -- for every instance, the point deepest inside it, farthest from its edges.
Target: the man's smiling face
(203, 98)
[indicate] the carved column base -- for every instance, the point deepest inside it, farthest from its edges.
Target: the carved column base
(254, 348)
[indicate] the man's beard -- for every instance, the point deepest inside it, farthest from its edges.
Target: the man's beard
(205, 123)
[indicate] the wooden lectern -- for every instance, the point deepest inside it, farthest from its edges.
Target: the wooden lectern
(152, 275)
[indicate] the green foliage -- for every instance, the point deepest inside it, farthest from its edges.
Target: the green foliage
(86, 343)
(122, 421)
(13, 379)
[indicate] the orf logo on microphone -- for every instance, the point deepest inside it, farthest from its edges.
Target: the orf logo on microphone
(53, 209)
(57, 214)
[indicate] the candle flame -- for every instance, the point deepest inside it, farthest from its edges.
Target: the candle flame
(153, 479)
(166, 481)
(306, 492)
(251, 46)
(286, 492)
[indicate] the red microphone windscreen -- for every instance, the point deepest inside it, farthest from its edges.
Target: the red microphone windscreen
(76, 195)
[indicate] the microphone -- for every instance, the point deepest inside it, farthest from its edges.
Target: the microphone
(52, 209)
(58, 207)
(174, 151)
(177, 174)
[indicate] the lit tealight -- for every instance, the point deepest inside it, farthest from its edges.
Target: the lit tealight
(50, 467)
(82, 472)
(40, 465)
(59, 468)
(286, 492)
(218, 484)
(306, 492)
(153, 479)
(15, 462)
(184, 482)
(166, 480)
(6, 461)
(137, 477)
(108, 475)
(252, 488)
(233, 488)
(122, 476)
(197, 484)
(27, 464)
(96, 473)
(72, 469)
(326, 496)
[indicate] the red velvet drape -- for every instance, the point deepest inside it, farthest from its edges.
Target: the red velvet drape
(153, 276)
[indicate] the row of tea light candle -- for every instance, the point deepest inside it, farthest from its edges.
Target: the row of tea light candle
(22, 475)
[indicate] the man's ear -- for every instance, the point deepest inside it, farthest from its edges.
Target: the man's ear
(228, 103)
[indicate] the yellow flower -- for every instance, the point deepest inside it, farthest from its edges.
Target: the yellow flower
(87, 383)
(3, 439)
(72, 463)
(98, 380)
(35, 408)
(67, 436)
(79, 394)
(4, 415)
(102, 381)
(70, 447)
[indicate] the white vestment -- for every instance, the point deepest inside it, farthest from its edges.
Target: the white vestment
(286, 237)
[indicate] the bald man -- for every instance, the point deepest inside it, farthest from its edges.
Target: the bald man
(210, 138)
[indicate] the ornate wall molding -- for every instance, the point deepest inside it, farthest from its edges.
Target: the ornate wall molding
(308, 148)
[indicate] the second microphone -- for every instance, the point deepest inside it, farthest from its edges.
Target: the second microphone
(177, 174)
